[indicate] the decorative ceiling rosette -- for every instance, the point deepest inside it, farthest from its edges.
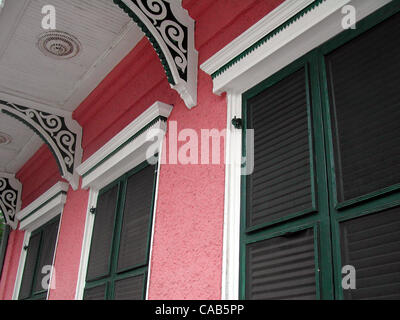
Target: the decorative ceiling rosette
(170, 30)
(62, 134)
(10, 198)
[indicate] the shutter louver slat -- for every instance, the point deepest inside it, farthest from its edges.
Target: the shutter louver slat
(372, 245)
(96, 293)
(282, 267)
(281, 182)
(129, 288)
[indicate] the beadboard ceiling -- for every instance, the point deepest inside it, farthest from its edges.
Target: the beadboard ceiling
(30, 78)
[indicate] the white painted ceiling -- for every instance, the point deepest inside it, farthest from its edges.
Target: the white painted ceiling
(30, 78)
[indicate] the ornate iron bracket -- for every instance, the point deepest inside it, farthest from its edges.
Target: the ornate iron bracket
(62, 134)
(10, 198)
(170, 30)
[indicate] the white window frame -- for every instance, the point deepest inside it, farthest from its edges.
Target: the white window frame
(298, 38)
(115, 158)
(48, 206)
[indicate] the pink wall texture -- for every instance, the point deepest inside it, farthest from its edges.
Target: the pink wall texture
(186, 261)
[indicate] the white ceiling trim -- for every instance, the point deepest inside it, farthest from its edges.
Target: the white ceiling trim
(119, 47)
(10, 23)
(24, 154)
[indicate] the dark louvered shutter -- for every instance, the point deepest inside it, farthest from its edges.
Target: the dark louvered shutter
(137, 214)
(129, 288)
(100, 250)
(281, 182)
(49, 237)
(364, 77)
(96, 293)
(372, 245)
(282, 267)
(29, 269)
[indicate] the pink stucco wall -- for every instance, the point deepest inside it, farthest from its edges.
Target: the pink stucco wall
(187, 252)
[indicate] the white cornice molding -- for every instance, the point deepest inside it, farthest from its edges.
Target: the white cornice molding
(270, 22)
(126, 150)
(305, 33)
(44, 208)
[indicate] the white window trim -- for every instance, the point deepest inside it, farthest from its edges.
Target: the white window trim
(49, 205)
(112, 161)
(306, 33)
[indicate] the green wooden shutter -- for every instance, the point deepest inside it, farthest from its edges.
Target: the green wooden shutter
(363, 103)
(49, 237)
(372, 245)
(95, 293)
(40, 253)
(119, 253)
(130, 288)
(137, 217)
(364, 77)
(29, 269)
(281, 183)
(282, 267)
(103, 230)
(354, 118)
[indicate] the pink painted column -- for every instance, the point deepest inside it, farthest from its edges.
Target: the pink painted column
(186, 260)
(69, 245)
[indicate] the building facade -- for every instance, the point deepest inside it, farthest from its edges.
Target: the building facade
(200, 149)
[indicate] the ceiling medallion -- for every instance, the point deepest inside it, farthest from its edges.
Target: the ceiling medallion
(59, 45)
(4, 138)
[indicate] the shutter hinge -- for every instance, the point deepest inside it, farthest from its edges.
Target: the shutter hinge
(26, 247)
(237, 123)
(92, 210)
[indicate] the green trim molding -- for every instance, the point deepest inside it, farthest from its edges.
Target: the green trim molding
(266, 38)
(43, 204)
(135, 136)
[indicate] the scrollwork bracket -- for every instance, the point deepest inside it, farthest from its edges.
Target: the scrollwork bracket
(10, 198)
(170, 30)
(62, 134)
